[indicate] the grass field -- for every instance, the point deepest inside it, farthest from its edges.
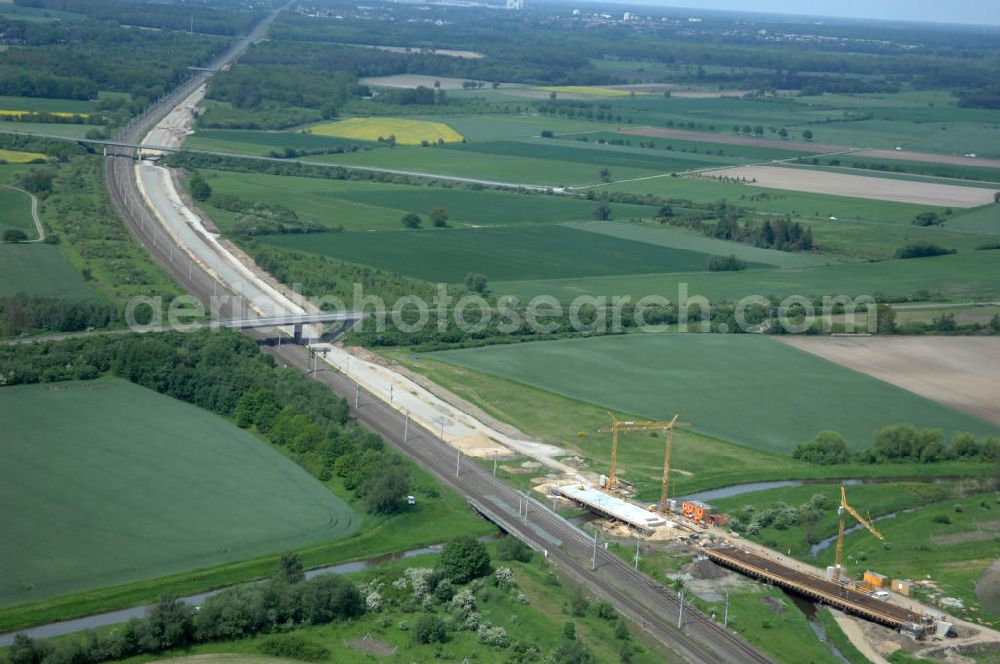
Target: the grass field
(962, 277)
(745, 389)
(543, 251)
(406, 131)
(16, 206)
(39, 269)
(106, 482)
(17, 157)
(365, 205)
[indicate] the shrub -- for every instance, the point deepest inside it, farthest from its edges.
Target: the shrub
(293, 646)
(464, 559)
(827, 448)
(493, 636)
(428, 629)
(725, 264)
(942, 518)
(14, 235)
(511, 548)
(922, 249)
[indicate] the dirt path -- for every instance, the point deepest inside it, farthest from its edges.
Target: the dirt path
(34, 214)
(988, 588)
(960, 372)
(224, 658)
(857, 637)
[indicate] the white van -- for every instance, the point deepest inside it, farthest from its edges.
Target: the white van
(880, 594)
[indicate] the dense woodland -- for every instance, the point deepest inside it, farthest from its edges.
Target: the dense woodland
(178, 17)
(860, 59)
(77, 59)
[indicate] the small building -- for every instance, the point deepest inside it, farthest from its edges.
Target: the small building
(696, 510)
(876, 580)
(901, 586)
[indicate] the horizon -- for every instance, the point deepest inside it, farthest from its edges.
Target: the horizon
(956, 12)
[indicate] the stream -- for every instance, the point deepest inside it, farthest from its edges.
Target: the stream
(123, 615)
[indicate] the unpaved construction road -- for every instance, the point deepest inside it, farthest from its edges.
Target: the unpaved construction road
(960, 372)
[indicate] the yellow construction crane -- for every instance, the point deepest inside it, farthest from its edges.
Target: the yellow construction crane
(842, 510)
(625, 426)
(666, 460)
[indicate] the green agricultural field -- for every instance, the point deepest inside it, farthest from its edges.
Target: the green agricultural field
(16, 206)
(44, 104)
(746, 389)
(613, 157)
(962, 277)
(861, 240)
(105, 482)
(458, 161)
(49, 128)
(681, 148)
(366, 205)
(980, 220)
(39, 269)
(477, 128)
(262, 143)
(876, 165)
(699, 462)
(679, 238)
(774, 201)
(542, 252)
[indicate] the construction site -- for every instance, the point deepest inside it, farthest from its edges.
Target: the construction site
(874, 597)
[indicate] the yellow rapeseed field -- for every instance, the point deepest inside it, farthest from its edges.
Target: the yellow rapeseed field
(58, 114)
(15, 157)
(407, 132)
(586, 90)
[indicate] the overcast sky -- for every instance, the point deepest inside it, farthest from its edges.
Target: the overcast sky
(945, 11)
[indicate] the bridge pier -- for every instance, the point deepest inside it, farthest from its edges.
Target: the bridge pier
(297, 336)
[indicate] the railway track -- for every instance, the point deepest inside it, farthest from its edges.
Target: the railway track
(648, 604)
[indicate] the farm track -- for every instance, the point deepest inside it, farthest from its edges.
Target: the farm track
(34, 214)
(649, 604)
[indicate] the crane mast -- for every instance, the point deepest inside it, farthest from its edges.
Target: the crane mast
(842, 511)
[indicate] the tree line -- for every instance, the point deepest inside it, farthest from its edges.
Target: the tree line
(286, 601)
(899, 443)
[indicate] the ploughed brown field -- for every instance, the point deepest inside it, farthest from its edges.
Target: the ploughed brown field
(960, 372)
(859, 186)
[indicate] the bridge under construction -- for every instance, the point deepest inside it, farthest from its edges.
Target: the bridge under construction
(838, 594)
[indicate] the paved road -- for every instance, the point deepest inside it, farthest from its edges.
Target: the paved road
(646, 602)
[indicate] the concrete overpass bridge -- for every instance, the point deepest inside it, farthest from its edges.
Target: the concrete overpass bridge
(347, 320)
